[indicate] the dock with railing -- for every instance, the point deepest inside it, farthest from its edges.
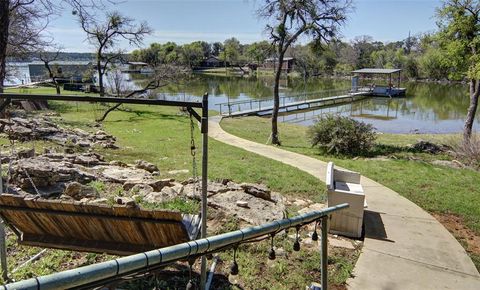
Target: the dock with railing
(262, 107)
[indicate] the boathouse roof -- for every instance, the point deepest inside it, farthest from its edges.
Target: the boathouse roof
(376, 71)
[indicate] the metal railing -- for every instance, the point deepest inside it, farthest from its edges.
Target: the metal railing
(107, 272)
(258, 104)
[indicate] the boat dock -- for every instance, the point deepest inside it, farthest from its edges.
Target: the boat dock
(264, 107)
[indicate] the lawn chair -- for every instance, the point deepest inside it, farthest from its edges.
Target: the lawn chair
(344, 187)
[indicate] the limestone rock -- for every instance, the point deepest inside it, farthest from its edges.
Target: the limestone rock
(122, 175)
(42, 128)
(78, 191)
(127, 201)
(145, 165)
(44, 172)
(141, 189)
(157, 197)
(428, 147)
(157, 185)
(169, 192)
(118, 163)
(26, 153)
(257, 190)
(259, 211)
(242, 203)
(312, 207)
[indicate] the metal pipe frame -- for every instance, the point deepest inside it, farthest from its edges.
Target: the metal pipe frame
(94, 99)
(9, 97)
(144, 262)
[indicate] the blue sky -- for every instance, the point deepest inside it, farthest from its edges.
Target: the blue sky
(184, 21)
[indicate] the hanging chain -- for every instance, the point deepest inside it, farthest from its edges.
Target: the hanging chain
(193, 152)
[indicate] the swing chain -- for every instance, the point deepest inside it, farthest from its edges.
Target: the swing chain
(193, 151)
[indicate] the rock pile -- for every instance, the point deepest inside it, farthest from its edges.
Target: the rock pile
(429, 147)
(42, 128)
(67, 176)
(48, 174)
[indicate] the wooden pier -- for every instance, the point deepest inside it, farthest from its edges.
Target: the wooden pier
(255, 108)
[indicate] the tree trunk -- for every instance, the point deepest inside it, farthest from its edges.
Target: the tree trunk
(108, 112)
(57, 86)
(472, 109)
(100, 76)
(276, 99)
(52, 76)
(4, 26)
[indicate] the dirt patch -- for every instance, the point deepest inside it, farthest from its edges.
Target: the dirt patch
(456, 225)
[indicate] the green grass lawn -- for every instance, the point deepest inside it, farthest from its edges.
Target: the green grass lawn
(435, 188)
(41, 90)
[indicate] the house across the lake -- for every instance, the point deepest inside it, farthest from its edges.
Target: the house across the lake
(270, 64)
(213, 61)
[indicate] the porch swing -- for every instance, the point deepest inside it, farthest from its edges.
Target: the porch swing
(117, 230)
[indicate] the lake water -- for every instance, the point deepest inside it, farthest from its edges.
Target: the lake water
(427, 108)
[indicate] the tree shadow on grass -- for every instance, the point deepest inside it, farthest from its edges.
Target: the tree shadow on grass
(142, 115)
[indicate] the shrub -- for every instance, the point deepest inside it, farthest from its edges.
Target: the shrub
(467, 152)
(342, 135)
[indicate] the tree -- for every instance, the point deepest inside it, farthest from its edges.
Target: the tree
(259, 51)
(363, 47)
(216, 48)
(22, 23)
(192, 54)
(232, 49)
(288, 20)
(47, 57)
(459, 22)
(164, 74)
(105, 36)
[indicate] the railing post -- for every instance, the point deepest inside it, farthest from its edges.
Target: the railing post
(324, 270)
(204, 129)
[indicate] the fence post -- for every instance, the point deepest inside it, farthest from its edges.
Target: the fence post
(324, 270)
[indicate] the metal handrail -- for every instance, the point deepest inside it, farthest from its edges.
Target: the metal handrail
(257, 103)
(96, 274)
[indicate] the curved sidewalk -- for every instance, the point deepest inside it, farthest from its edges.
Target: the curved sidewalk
(404, 247)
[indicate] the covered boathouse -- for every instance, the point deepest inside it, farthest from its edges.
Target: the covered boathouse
(378, 82)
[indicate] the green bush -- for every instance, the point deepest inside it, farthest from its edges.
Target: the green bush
(342, 135)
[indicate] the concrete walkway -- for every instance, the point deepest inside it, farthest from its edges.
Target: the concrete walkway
(404, 247)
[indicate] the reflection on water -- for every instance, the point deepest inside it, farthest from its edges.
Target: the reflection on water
(428, 108)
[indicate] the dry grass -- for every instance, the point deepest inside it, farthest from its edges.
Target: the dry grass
(467, 152)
